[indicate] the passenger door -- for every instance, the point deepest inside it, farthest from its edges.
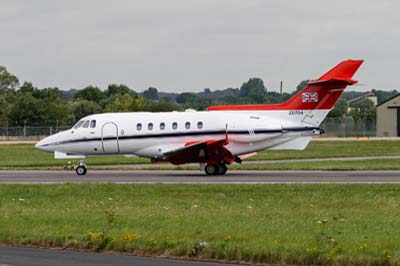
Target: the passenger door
(109, 138)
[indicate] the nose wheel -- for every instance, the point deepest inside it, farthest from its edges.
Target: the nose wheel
(81, 169)
(216, 169)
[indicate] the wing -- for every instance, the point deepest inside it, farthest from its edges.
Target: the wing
(208, 151)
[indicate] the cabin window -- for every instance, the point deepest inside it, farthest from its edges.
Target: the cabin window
(174, 125)
(150, 126)
(199, 125)
(86, 124)
(162, 125)
(187, 125)
(79, 124)
(139, 126)
(93, 123)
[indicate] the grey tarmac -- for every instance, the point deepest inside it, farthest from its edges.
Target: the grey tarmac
(195, 176)
(12, 256)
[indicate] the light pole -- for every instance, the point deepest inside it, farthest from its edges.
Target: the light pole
(25, 129)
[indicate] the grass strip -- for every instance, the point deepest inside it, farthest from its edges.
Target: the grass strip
(354, 224)
(332, 149)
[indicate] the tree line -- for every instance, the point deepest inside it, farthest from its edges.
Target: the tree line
(27, 104)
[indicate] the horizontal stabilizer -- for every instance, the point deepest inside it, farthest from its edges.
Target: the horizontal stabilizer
(333, 81)
(295, 144)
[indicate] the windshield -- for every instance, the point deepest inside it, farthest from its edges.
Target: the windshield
(77, 125)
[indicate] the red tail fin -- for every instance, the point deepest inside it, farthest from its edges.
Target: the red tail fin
(319, 94)
(343, 71)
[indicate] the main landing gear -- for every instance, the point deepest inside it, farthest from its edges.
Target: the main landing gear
(81, 169)
(216, 169)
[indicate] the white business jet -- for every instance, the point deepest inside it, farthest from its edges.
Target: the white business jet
(214, 138)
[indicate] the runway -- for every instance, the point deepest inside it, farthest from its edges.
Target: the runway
(45, 257)
(173, 176)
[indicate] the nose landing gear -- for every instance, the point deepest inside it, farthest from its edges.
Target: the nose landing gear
(81, 169)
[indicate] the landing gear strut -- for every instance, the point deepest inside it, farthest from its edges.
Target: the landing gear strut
(216, 169)
(81, 169)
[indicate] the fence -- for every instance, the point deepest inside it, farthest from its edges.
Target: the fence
(28, 132)
(333, 127)
(348, 127)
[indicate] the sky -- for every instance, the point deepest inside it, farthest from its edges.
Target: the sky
(189, 45)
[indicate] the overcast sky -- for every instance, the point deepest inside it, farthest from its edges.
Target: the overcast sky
(189, 45)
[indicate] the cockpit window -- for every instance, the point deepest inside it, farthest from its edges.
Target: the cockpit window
(93, 123)
(77, 125)
(86, 124)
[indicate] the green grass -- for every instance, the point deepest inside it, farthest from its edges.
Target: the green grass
(16, 156)
(330, 149)
(283, 224)
(26, 156)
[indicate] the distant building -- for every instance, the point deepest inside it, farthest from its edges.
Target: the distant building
(388, 118)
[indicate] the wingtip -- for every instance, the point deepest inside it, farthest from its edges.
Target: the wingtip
(356, 61)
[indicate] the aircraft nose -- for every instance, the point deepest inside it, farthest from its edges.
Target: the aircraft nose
(46, 144)
(37, 145)
(42, 145)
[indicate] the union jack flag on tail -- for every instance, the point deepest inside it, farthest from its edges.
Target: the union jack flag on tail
(307, 97)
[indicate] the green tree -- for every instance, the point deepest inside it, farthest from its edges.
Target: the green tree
(167, 99)
(6, 103)
(126, 103)
(24, 108)
(114, 89)
(151, 94)
(276, 97)
(301, 86)
(8, 81)
(90, 93)
(48, 93)
(53, 111)
(383, 95)
(27, 87)
(364, 109)
(82, 108)
(186, 97)
(254, 90)
(39, 107)
(161, 107)
(340, 109)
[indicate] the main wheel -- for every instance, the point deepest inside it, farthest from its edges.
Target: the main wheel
(211, 169)
(81, 170)
(221, 169)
